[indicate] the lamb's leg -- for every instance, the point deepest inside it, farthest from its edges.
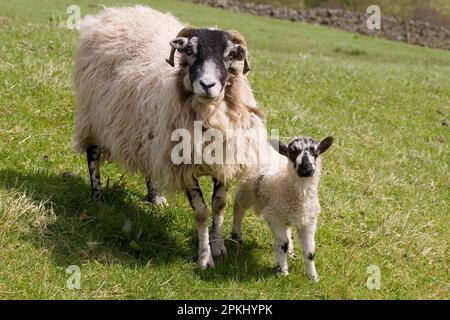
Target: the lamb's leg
(239, 209)
(290, 244)
(154, 197)
(219, 199)
(201, 214)
(280, 235)
(306, 234)
(93, 158)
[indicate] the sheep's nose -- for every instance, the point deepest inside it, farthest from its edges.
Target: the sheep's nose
(206, 86)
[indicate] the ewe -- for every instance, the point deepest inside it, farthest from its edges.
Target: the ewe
(130, 100)
(285, 194)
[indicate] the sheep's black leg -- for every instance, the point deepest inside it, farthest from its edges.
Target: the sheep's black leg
(219, 199)
(201, 214)
(154, 197)
(93, 158)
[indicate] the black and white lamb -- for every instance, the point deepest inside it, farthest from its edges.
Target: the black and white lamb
(285, 194)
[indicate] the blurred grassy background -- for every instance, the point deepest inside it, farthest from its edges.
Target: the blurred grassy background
(433, 11)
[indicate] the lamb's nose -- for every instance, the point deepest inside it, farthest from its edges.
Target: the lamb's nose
(306, 172)
(206, 86)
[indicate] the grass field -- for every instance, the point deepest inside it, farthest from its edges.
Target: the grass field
(385, 185)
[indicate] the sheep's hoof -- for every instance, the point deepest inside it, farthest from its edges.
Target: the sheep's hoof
(218, 248)
(98, 198)
(158, 200)
(314, 277)
(281, 270)
(206, 262)
(237, 238)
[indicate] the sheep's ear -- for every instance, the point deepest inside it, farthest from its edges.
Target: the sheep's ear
(179, 43)
(280, 147)
(325, 144)
(238, 39)
(241, 54)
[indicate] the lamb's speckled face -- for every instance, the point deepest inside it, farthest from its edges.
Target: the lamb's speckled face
(303, 154)
(209, 55)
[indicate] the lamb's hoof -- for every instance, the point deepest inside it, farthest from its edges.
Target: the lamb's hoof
(281, 270)
(291, 253)
(314, 277)
(206, 261)
(218, 248)
(158, 201)
(237, 238)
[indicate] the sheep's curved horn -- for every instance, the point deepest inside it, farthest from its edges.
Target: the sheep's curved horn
(171, 58)
(237, 38)
(186, 32)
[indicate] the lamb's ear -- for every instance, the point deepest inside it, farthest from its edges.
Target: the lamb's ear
(325, 144)
(179, 43)
(238, 39)
(280, 147)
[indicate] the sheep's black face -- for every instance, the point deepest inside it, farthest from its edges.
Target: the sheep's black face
(213, 56)
(303, 153)
(208, 56)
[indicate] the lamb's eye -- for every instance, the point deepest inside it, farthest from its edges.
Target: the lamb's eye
(188, 51)
(231, 55)
(292, 154)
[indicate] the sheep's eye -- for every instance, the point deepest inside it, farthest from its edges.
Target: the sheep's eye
(188, 51)
(231, 55)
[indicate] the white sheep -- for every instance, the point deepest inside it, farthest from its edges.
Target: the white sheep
(131, 99)
(285, 194)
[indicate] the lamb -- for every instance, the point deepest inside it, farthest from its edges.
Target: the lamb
(131, 99)
(285, 194)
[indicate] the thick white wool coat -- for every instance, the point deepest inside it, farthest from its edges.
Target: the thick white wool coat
(128, 100)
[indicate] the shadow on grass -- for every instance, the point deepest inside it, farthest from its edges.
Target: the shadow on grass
(115, 232)
(240, 264)
(121, 231)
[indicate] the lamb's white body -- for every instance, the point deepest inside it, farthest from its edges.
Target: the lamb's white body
(284, 200)
(129, 103)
